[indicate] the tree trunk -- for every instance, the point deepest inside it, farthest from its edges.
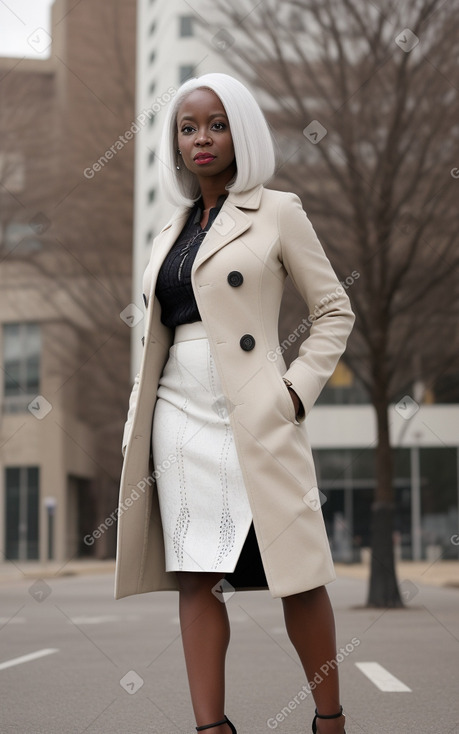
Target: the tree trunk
(383, 590)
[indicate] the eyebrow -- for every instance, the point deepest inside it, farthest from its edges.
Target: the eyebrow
(211, 117)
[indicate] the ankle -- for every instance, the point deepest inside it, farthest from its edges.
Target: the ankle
(331, 726)
(222, 729)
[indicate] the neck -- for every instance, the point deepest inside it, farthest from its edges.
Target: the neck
(213, 187)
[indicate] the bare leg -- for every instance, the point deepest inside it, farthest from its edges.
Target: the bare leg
(205, 636)
(310, 626)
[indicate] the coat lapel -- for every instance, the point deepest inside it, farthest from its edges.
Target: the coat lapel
(230, 223)
(162, 244)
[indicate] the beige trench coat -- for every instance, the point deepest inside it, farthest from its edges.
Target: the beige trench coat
(263, 235)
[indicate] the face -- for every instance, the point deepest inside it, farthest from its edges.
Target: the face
(204, 136)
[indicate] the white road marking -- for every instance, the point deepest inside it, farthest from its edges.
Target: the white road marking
(382, 679)
(28, 658)
(102, 619)
(79, 620)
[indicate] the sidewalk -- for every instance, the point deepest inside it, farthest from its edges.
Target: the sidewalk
(430, 573)
(438, 573)
(11, 571)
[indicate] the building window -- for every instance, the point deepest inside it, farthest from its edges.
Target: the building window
(186, 71)
(151, 196)
(21, 365)
(186, 26)
(12, 171)
(21, 237)
(21, 513)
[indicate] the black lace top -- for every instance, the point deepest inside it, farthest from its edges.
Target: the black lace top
(173, 287)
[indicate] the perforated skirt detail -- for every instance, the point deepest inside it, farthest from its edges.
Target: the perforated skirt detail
(205, 511)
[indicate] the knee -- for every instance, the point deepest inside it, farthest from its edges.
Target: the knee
(305, 597)
(195, 582)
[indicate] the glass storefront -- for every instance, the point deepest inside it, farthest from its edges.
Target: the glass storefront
(347, 479)
(21, 512)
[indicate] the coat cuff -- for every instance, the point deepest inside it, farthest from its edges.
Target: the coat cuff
(306, 386)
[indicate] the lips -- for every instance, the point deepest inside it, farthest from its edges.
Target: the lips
(204, 158)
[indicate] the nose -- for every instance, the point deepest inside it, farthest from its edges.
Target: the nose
(202, 137)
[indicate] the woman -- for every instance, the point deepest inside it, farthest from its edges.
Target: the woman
(218, 484)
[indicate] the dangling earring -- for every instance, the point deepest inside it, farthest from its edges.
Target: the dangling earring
(179, 152)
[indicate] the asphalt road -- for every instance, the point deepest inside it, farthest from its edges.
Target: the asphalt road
(74, 660)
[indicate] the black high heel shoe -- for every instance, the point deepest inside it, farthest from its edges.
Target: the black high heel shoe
(330, 716)
(218, 723)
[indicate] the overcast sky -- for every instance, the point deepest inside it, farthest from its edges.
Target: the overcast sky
(19, 20)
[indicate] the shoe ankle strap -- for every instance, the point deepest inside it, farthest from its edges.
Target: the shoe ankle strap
(210, 726)
(330, 716)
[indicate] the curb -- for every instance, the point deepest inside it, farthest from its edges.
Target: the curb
(443, 574)
(9, 572)
(438, 573)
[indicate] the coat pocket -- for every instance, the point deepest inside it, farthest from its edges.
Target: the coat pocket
(289, 411)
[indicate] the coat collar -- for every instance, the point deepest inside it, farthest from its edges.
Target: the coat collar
(246, 199)
(230, 223)
(249, 199)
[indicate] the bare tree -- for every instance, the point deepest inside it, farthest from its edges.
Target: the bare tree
(363, 99)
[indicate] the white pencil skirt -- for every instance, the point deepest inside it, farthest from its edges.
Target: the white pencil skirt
(204, 507)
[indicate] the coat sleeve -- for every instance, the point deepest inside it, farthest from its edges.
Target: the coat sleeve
(330, 314)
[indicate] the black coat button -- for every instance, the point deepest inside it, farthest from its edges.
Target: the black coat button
(235, 278)
(247, 342)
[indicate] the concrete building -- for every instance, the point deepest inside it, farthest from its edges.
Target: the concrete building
(42, 477)
(65, 274)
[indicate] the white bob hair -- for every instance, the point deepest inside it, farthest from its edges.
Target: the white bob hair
(252, 140)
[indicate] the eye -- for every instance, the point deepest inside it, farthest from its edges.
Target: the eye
(186, 129)
(219, 126)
